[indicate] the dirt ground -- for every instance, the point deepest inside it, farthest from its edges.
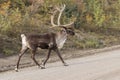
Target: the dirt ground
(103, 66)
(8, 63)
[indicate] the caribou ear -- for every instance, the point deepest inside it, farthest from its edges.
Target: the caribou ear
(71, 27)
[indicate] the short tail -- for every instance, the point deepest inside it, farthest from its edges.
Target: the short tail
(22, 35)
(24, 39)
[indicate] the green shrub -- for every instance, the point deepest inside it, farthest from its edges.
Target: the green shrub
(87, 43)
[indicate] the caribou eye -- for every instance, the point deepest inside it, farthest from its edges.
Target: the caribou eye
(69, 31)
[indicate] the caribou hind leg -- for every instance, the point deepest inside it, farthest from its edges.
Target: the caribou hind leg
(33, 57)
(48, 56)
(22, 52)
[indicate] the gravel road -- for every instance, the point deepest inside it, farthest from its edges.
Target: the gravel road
(104, 66)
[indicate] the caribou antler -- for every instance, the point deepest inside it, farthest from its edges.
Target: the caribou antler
(52, 18)
(61, 9)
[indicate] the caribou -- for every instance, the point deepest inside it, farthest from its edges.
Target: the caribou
(51, 41)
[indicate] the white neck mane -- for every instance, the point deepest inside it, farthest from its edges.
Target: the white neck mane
(60, 39)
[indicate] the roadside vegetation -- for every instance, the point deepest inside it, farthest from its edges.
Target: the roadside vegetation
(97, 22)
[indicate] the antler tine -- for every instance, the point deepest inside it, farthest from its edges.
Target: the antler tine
(52, 18)
(61, 11)
(68, 24)
(57, 8)
(63, 7)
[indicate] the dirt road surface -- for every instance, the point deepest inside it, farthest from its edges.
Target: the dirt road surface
(104, 66)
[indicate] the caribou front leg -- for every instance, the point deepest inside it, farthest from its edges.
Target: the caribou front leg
(58, 53)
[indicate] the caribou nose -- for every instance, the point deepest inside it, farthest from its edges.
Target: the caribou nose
(73, 33)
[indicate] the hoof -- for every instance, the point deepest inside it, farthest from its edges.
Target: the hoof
(65, 64)
(39, 66)
(42, 67)
(16, 69)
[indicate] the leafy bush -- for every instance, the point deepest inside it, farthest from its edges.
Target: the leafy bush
(87, 43)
